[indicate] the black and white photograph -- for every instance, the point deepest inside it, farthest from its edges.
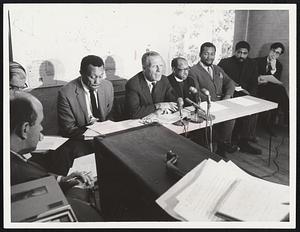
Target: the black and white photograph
(148, 115)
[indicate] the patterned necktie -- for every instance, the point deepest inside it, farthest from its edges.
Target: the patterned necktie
(94, 105)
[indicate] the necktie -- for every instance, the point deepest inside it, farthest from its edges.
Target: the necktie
(153, 89)
(94, 105)
(209, 71)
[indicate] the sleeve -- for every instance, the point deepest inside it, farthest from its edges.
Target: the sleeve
(191, 81)
(66, 120)
(278, 72)
(228, 84)
(110, 113)
(170, 93)
(253, 81)
(134, 107)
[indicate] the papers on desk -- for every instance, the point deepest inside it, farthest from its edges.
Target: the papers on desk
(218, 191)
(85, 163)
(214, 107)
(106, 127)
(242, 101)
(50, 143)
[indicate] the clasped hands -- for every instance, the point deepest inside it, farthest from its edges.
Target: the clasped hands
(166, 107)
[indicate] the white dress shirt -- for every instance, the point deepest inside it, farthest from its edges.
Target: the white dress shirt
(88, 99)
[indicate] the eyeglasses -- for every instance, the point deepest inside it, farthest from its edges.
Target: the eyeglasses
(18, 87)
(183, 69)
(276, 52)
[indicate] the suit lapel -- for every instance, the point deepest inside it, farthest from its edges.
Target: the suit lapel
(101, 103)
(145, 89)
(80, 95)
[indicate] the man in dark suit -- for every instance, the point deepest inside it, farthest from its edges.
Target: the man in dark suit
(211, 77)
(273, 90)
(177, 78)
(26, 115)
(86, 99)
(149, 91)
(243, 71)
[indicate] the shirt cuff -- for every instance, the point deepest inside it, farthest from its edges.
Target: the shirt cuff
(58, 179)
(273, 71)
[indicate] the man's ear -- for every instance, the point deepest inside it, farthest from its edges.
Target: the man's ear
(24, 130)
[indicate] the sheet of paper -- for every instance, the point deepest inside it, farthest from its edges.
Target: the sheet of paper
(264, 202)
(90, 134)
(242, 101)
(108, 126)
(214, 107)
(85, 163)
(201, 200)
(50, 143)
(168, 200)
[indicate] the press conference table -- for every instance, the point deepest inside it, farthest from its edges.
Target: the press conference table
(131, 163)
(229, 109)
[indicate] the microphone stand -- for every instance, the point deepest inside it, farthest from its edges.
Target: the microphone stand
(210, 122)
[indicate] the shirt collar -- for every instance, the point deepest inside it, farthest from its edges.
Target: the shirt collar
(18, 155)
(205, 66)
(149, 82)
(178, 79)
(85, 88)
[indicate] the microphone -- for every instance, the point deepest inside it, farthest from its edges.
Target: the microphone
(194, 104)
(206, 93)
(193, 90)
(180, 106)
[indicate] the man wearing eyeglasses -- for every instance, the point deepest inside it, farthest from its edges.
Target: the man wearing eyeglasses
(177, 78)
(243, 71)
(270, 87)
(17, 77)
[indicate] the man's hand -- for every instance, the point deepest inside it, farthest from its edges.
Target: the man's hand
(262, 80)
(76, 178)
(166, 106)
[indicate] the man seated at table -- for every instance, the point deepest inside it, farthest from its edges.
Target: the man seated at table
(26, 115)
(149, 91)
(206, 75)
(86, 99)
(243, 71)
(177, 78)
(272, 89)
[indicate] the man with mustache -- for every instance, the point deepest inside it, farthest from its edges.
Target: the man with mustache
(243, 71)
(211, 77)
(86, 99)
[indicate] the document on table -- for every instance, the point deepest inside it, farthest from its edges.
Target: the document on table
(108, 126)
(50, 143)
(242, 101)
(85, 163)
(214, 107)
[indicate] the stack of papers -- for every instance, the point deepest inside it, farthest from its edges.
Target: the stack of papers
(221, 191)
(107, 127)
(50, 143)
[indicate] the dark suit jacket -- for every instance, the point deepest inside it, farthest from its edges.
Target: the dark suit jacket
(138, 99)
(220, 86)
(21, 171)
(262, 63)
(247, 78)
(177, 87)
(72, 109)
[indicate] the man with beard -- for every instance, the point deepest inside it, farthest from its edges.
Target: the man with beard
(149, 91)
(243, 71)
(211, 77)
